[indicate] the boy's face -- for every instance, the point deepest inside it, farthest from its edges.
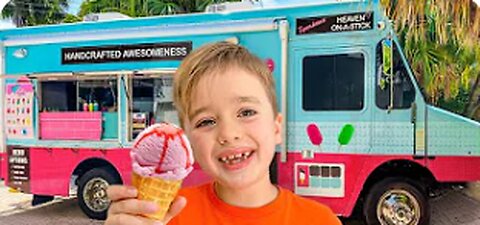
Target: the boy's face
(232, 128)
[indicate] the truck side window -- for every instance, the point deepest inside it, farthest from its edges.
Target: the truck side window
(403, 90)
(333, 82)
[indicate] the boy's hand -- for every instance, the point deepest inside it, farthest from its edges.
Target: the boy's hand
(126, 209)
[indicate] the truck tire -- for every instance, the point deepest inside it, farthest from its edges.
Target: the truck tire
(40, 199)
(396, 201)
(92, 192)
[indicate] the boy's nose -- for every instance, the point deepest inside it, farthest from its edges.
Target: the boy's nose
(224, 141)
(229, 133)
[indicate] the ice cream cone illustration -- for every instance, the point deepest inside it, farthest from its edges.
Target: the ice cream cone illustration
(161, 159)
(302, 176)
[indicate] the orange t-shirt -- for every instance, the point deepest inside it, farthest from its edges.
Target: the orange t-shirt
(204, 207)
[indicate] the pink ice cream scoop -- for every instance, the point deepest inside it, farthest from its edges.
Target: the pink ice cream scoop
(162, 151)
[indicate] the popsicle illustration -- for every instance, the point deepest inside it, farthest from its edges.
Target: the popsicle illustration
(345, 135)
(315, 135)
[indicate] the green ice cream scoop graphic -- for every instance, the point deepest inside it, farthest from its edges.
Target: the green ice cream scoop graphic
(346, 135)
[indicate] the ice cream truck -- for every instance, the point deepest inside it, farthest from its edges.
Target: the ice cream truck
(358, 133)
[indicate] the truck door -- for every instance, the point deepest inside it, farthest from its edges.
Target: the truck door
(398, 122)
(329, 111)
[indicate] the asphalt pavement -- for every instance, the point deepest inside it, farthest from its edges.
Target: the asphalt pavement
(452, 207)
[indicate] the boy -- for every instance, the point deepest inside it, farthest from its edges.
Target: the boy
(226, 103)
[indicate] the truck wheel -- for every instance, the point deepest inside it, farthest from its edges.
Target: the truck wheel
(396, 201)
(92, 192)
(40, 199)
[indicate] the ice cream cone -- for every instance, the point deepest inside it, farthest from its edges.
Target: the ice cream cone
(158, 190)
(161, 159)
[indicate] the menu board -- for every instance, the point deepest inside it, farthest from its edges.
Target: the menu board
(19, 168)
(19, 111)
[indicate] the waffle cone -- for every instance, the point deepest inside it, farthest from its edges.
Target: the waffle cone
(157, 190)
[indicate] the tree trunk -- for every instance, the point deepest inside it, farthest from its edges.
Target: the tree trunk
(473, 104)
(472, 110)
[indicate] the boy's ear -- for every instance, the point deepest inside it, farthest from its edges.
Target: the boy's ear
(278, 128)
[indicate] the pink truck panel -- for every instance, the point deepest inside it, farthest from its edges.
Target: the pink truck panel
(3, 165)
(71, 125)
(455, 168)
(51, 168)
(357, 169)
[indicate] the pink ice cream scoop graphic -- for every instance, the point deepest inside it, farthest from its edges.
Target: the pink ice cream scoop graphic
(315, 135)
(162, 151)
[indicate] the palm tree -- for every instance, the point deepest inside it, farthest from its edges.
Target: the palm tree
(140, 8)
(441, 40)
(162, 7)
(35, 12)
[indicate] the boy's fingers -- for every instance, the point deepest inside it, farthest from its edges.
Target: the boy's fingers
(126, 219)
(178, 204)
(117, 192)
(132, 206)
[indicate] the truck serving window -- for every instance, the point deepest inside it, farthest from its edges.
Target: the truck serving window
(333, 82)
(58, 96)
(152, 102)
(101, 93)
(77, 95)
(403, 90)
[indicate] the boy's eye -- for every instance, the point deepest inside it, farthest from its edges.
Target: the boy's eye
(205, 122)
(247, 113)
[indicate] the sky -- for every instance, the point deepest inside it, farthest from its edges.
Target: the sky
(75, 6)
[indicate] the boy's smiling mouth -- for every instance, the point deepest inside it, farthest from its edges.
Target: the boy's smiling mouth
(233, 160)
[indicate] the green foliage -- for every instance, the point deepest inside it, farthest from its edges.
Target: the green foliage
(35, 12)
(456, 104)
(69, 18)
(142, 8)
(441, 40)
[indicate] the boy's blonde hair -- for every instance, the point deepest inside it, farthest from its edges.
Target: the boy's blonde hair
(216, 58)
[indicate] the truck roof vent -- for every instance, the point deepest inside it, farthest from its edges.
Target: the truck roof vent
(105, 16)
(233, 6)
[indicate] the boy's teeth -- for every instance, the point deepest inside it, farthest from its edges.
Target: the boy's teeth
(232, 159)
